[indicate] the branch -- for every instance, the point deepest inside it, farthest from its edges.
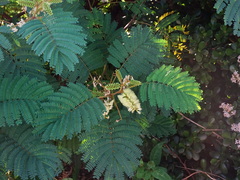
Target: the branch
(130, 22)
(208, 174)
(175, 155)
(203, 128)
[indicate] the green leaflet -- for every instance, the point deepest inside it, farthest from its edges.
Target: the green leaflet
(136, 54)
(20, 99)
(161, 174)
(57, 37)
(69, 111)
(119, 75)
(134, 83)
(113, 86)
(25, 155)
(111, 148)
(168, 87)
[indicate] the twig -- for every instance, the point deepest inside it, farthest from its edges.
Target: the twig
(119, 113)
(112, 94)
(197, 173)
(89, 3)
(208, 174)
(142, 22)
(130, 22)
(212, 130)
(174, 154)
(204, 129)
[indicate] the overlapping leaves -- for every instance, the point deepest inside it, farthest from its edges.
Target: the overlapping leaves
(58, 38)
(25, 155)
(69, 111)
(111, 149)
(20, 99)
(138, 53)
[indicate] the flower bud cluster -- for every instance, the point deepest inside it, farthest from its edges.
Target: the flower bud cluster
(235, 76)
(108, 105)
(227, 110)
(236, 127)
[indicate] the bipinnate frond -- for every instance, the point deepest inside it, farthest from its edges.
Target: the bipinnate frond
(58, 38)
(23, 153)
(69, 111)
(220, 5)
(136, 54)
(231, 14)
(99, 26)
(101, 31)
(20, 99)
(20, 61)
(162, 127)
(111, 149)
(137, 8)
(3, 171)
(91, 59)
(4, 41)
(168, 87)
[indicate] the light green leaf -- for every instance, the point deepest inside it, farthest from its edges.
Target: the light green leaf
(170, 88)
(161, 174)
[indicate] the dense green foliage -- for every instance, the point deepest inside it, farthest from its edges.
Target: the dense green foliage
(106, 146)
(97, 85)
(25, 155)
(63, 69)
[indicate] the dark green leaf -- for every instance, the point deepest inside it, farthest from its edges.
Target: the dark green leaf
(156, 153)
